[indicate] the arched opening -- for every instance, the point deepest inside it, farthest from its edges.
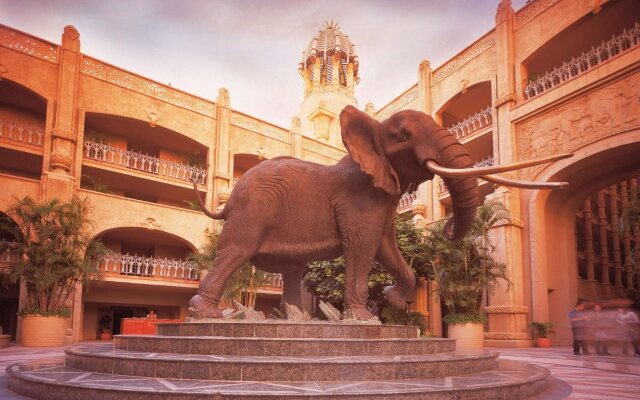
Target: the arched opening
(561, 238)
(147, 270)
(468, 116)
(22, 126)
(583, 45)
(134, 159)
(244, 162)
(9, 295)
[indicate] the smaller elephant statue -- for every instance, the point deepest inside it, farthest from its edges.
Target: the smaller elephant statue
(285, 213)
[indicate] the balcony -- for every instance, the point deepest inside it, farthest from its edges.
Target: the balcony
(586, 61)
(8, 252)
(272, 281)
(137, 161)
(148, 267)
(472, 124)
(405, 201)
(22, 132)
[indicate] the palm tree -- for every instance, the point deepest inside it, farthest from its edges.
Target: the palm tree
(465, 270)
(56, 252)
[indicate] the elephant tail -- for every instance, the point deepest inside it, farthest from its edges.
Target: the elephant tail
(218, 215)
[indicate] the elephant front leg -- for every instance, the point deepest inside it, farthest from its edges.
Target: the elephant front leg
(228, 259)
(391, 259)
(358, 264)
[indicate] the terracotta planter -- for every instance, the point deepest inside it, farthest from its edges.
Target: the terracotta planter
(105, 336)
(40, 331)
(467, 336)
(543, 342)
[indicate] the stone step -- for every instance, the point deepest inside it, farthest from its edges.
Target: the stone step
(103, 358)
(50, 379)
(284, 329)
(282, 347)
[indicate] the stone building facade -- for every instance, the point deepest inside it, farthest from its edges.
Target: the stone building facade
(555, 76)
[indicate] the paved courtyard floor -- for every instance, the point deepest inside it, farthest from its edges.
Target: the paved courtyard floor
(573, 377)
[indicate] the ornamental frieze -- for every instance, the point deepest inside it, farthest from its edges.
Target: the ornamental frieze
(26, 44)
(607, 111)
(263, 128)
(510, 309)
(461, 59)
(507, 336)
(322, 149)
(532, 10)
(116, 76)
(398, 103)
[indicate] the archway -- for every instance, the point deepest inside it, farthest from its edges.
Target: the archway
(554, 259)
(9, 295)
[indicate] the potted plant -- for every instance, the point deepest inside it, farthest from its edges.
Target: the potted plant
(105, 327)
(465, 273)
(544, 330)
(57, 254)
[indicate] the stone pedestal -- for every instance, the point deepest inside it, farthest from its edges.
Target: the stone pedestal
(276, 360)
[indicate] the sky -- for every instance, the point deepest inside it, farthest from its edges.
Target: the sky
(253, 47)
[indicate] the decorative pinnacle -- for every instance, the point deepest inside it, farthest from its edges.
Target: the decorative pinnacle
(330, 25)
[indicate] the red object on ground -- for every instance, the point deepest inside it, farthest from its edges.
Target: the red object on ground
(142, 326)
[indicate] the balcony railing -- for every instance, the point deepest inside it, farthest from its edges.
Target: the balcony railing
(472, 124)
(406, 200)
(487, 162)
(125, 264)
(8, 251)
(622, 43)
(27, 132)
(143, 162)
(272, 280)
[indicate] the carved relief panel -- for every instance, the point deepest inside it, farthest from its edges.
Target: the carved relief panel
(607, 111)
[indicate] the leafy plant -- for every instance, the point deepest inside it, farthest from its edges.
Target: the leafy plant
(325, 279)
(392, 316)
(544, 329)
(105, 324)
(463, 318)
(57, 252)
(465, 270)
(91, 183)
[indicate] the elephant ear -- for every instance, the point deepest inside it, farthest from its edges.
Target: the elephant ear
(360, 137)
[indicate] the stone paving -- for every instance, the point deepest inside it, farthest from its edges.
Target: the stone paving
(573, 377)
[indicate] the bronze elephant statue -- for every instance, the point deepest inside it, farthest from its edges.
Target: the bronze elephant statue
(285, 212)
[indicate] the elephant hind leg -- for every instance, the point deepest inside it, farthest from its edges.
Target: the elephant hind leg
(228, 259)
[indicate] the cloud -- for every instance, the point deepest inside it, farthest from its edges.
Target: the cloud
(253, 47)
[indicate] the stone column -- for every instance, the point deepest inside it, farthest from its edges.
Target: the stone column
(58, 179)
(507, 312)
(424, 87)
(435, 310)
(296, 138)
(604, 250)
(222, 167)
(589, 254)
(633, 185)
(626, 238)
(615, 238)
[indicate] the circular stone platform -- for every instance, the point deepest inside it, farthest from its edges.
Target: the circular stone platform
(273, 360)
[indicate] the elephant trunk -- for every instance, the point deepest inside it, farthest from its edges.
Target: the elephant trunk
(465, 196)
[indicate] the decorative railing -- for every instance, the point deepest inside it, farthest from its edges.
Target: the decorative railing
(8, 251)
(406, 200)
(487, 162)
(125, 264)
(622, 43)
(472, 124)
(272, 280)
(143, 162)
(27, 132)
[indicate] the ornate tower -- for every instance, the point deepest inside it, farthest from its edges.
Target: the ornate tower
(329, 70)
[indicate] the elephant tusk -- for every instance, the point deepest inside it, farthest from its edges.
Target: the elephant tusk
(523, 184)
(465, 172)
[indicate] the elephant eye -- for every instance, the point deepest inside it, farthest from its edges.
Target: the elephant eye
(404, 137)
